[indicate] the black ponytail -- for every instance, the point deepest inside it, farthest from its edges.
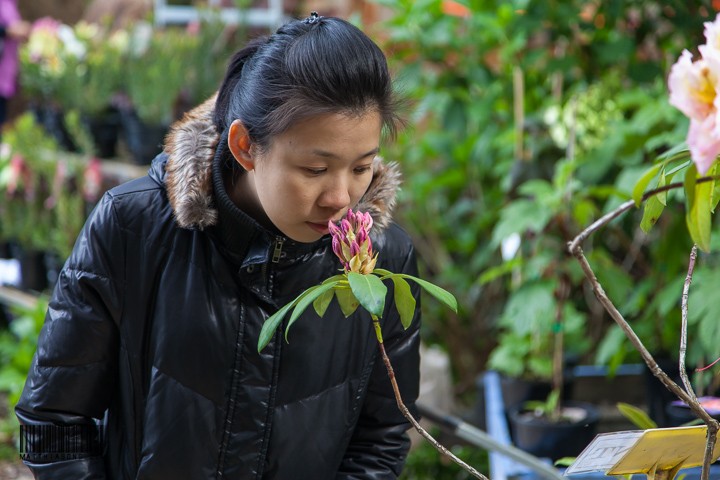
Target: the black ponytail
(233, 75)
(306, 68)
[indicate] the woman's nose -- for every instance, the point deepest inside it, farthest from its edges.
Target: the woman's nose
(336, 195)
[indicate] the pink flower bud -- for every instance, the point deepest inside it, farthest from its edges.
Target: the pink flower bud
(351, 242)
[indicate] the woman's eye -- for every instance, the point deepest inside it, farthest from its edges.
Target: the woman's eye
(314, 171)
(362, 169)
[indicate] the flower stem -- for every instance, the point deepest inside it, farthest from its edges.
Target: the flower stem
(406, 413)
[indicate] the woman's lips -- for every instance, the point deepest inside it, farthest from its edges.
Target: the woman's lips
(319, 227)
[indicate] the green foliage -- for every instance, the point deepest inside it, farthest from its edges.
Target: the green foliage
(564, 461)
(548, 408)
(424, 462)
(533, 118)
(175, 66)
(637, 416)
(352, 290)
(43, 207)
(17, 347)
(155, 75)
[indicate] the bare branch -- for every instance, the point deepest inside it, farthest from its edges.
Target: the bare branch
(406, 413)
(683, 329)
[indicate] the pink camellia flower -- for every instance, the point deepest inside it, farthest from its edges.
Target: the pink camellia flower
(693, 91)
(351, 242)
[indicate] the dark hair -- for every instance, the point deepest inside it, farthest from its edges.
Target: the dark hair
(308, 67)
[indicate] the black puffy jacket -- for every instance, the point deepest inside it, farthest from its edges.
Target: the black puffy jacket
(152, 334)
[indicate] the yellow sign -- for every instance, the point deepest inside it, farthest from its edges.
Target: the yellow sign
(658, 452)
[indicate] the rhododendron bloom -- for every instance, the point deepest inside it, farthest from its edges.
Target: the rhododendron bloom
(351, 242)
(693, 91)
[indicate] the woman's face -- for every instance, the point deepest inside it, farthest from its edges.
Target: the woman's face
(311, 173)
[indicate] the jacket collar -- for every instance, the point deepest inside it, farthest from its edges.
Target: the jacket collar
(191, 146)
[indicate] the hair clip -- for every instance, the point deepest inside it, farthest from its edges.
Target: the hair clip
(313, 18)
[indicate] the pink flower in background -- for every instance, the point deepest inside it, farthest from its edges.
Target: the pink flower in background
(44, 42)
(92, 180)
(351, 242)
(57, 186)
(694, 91)
(193, 28)
(16, 174)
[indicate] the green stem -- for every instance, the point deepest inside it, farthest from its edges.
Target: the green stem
(406, 413)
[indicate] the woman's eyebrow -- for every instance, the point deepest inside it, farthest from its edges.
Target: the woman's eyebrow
(326, 154)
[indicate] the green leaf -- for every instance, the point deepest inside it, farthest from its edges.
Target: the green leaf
(564, 461)
(272, 323)
(520, 216)
(369, 291)
(689, 183)
(498, 271)
(346, 299)
(698, 216)
(715, 188)
(307, 298)
(644, 181)
(441, 294)
(334, 278)
(653, 208)
(679, 151)
(638, 417)
(404, 301)
(322, 302)
(383, 272)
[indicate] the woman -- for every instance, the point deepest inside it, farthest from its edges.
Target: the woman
(12, 31)
(154, 322)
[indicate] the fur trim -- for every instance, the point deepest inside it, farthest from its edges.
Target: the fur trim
(379, 200)
(190, 146)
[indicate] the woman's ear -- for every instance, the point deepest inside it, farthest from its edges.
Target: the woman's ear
(240, 145)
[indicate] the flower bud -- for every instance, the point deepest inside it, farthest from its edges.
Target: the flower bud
(351, 242)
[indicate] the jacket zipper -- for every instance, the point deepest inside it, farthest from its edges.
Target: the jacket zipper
(277, 251)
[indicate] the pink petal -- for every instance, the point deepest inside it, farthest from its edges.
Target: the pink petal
(691, 91)
(703, 143)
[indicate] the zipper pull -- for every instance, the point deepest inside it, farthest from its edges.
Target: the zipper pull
(279, 241)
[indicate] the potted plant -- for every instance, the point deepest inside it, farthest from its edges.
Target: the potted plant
(154, 77)
(49, 66)
(103, 67)
(43, 207)
(543, 420)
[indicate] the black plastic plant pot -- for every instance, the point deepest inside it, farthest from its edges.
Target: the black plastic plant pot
(33, 270)
(144, 140)
(516, 391)
(104, 129)
(547, 439)
(680, 414)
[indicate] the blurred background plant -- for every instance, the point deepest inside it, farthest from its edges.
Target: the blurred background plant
(528, 120)
(43, 207)
(18, 342)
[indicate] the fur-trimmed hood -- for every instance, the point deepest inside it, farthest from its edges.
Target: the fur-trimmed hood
(190, 146)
